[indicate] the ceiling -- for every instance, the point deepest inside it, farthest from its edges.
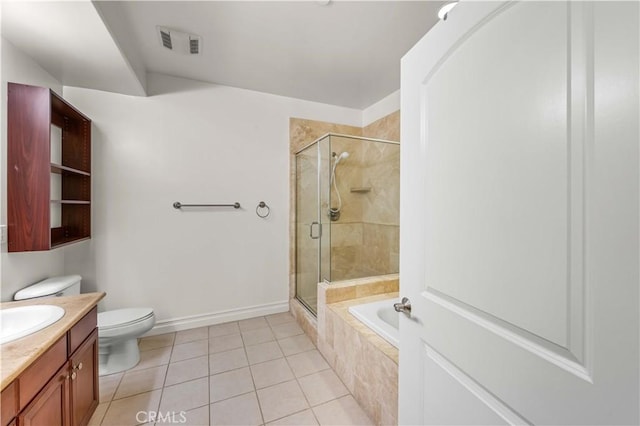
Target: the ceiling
(344, 53)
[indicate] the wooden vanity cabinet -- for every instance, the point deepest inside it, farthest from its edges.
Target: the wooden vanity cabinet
(51, 404)
(83, 395)
(61, 387)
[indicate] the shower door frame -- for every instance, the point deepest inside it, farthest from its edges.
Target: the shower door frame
(325, 230)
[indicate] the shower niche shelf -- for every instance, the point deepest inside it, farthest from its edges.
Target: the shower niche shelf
(48, 170)
(361, 190)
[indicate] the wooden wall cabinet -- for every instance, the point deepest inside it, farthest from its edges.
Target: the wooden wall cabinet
(48, 170)
(61, 387)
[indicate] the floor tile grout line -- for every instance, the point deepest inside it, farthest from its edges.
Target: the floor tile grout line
(140, 393)
(105, 413)
(255, 390)
(309, 407)
(166, 374)
(236, 396)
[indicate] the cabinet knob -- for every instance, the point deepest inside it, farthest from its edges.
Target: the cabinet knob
(74, 375)
(78, 367)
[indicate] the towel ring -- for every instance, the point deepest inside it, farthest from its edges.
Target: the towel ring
(263, 205)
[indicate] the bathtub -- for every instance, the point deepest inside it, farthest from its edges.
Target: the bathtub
(380, 317)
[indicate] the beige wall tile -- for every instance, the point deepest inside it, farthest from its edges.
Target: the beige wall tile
(366, 395)
(387, 128)
(302, 131)
(327, 352)
(337, 294)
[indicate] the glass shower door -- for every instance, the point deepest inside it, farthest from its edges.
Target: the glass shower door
(308, 227)
(313, 259)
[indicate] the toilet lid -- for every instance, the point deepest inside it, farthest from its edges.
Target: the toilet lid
(120, 317)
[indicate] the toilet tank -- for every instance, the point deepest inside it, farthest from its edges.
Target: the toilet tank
(67, 285)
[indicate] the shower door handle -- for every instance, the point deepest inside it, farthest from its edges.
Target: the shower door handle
(315, 237)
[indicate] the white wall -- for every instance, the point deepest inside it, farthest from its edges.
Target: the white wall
(190, 142)
(382, 108)
(21, 269)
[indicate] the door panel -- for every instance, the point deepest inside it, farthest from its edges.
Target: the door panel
(455, 390)
(518, 114)
(519, 205)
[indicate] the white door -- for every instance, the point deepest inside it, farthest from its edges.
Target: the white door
(519, 209)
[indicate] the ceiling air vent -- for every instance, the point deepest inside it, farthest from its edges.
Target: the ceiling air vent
(194, 46)
(165, 37)
(177, 41)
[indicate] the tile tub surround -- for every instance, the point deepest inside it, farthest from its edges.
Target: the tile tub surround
(263, 370)
(364, 361)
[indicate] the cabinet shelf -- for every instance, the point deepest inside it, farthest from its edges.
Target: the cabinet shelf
(48, 156)
(70, 202)
(57, 168)
(63, 241)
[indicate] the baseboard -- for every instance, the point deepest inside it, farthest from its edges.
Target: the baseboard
(213, 318)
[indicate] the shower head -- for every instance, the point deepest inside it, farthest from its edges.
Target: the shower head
(343, 156)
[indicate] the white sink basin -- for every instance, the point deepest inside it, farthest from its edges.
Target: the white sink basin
(21, 321)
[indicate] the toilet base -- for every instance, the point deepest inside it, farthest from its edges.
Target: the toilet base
(118, 357)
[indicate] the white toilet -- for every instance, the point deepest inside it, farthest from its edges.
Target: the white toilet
(118, 330)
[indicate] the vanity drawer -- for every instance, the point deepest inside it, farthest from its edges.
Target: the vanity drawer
(30, 382)
(82, 329)
(9, 403)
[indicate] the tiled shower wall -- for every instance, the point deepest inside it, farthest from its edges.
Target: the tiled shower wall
(371, 220)
(364, 241)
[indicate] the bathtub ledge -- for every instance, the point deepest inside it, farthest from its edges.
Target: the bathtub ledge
(342, 310)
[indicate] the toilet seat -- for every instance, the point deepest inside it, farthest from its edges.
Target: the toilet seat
(123, 317)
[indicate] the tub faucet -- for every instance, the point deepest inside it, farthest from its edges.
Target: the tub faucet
(404, 306)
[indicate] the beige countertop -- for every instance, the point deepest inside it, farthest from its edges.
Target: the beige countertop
(17, 355)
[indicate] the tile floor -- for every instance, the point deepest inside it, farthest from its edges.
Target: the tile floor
(260, 371)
